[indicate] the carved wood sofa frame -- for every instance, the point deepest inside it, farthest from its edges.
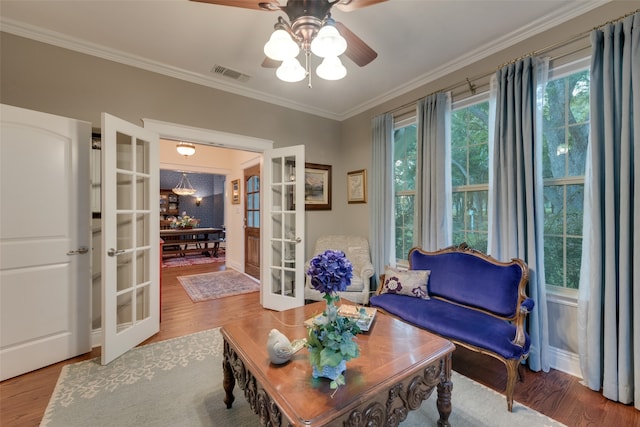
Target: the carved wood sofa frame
(489, 295)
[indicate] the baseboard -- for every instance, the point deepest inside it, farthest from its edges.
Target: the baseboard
(236, 266)
(565, 361)
(96, 338)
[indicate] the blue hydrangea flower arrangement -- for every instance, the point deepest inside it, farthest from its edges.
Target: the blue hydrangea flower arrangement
(331, 338)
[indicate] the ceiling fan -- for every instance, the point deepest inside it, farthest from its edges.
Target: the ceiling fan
(311, 29)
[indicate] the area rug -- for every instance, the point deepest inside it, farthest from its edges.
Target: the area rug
(191, 260)
(178, 383)
(220, 284)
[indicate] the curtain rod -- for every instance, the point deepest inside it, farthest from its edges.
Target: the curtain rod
(472, 87)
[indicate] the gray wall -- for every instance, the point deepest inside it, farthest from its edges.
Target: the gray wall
(208, 186)
(41, 77)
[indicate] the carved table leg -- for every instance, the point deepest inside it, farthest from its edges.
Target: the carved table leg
(229, 381)
(444, 393)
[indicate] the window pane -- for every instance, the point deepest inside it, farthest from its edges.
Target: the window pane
(479, 164)
(565, 137)
(404, 210)
(577, 143)
(470, 219)
(574, 258)
(458, 166)
(404, 156)
(404, 151)
(470, 167)
(575, 202)
(554, 260)
(553, 209)
(579, 98)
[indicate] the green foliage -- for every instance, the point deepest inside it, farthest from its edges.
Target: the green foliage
(331, 341)
(565, 138)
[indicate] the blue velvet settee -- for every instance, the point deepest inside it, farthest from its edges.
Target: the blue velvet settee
(469, 298)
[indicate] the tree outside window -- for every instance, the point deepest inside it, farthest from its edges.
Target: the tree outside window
(470, 174)
(404, 186)
(565, 137)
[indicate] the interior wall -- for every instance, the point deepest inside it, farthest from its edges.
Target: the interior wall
(209, 187)
(45, 78)
(80, 86)
(355, 132)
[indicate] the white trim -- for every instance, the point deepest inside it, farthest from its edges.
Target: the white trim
(210, 137)
(565, 361)
(559, 16)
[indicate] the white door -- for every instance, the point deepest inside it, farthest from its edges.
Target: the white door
(283, 239)
(130, 236)
(45, 223)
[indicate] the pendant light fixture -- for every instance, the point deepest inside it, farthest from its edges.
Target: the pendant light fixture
(184, 187)
(186, 149)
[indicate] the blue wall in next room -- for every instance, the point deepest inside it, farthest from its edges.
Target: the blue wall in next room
(208, 186)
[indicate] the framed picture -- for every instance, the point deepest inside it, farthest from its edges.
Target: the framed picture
(357, 186)
(317, 187)
(235, 192)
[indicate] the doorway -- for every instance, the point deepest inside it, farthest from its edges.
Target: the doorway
(252, 221)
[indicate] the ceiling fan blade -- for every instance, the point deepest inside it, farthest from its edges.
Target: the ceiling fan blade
(270, 63)
(357, 50)
(350, 5)
(245, 4)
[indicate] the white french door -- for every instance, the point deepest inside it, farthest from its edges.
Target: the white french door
(45, 240)
(130, 238)
(283, 239)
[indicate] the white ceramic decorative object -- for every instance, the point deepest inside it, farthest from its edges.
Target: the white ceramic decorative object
(279, 347)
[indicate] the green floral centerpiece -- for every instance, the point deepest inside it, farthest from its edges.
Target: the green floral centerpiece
(331, 337)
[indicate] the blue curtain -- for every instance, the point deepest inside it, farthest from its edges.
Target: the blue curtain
(433, 173)
(515, 187)
(381, 203)
(609, 294)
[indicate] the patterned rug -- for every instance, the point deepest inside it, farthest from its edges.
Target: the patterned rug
(191, 260)
(178, 383)
(220, 284)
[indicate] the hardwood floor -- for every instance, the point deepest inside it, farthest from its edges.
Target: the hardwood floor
(24, 399)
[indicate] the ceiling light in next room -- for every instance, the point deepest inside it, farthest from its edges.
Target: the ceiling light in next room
(186, 149)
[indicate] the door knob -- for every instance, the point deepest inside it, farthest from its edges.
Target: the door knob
(113, 252)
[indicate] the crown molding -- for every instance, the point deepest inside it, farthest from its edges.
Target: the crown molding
(559, 16)
(61, 40)
(545, 23)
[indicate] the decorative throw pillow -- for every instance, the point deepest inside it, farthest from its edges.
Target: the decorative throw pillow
(408, 282)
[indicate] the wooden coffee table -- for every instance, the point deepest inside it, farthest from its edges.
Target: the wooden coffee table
(399, 366)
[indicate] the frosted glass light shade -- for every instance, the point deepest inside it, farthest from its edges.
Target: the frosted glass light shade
(186, 149)
(331, 68)
(328, 42)
(291, 71)
(281, 46)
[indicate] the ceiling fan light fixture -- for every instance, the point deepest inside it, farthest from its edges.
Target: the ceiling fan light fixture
(331, 68)
(186, 149)
(291, 71)
(281, 46)
(328, 42)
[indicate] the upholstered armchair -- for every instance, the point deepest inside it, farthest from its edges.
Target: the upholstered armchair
(356, 249)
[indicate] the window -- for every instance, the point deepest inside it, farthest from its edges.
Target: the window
(404, 186)
(565, 137)
(470, 174)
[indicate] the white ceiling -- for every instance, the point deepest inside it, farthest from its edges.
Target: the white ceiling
(417, 41)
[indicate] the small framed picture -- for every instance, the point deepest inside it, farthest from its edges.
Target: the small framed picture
(357, 186)
(235, 192)
(317, 187)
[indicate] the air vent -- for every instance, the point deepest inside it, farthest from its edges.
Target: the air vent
(232, 74)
